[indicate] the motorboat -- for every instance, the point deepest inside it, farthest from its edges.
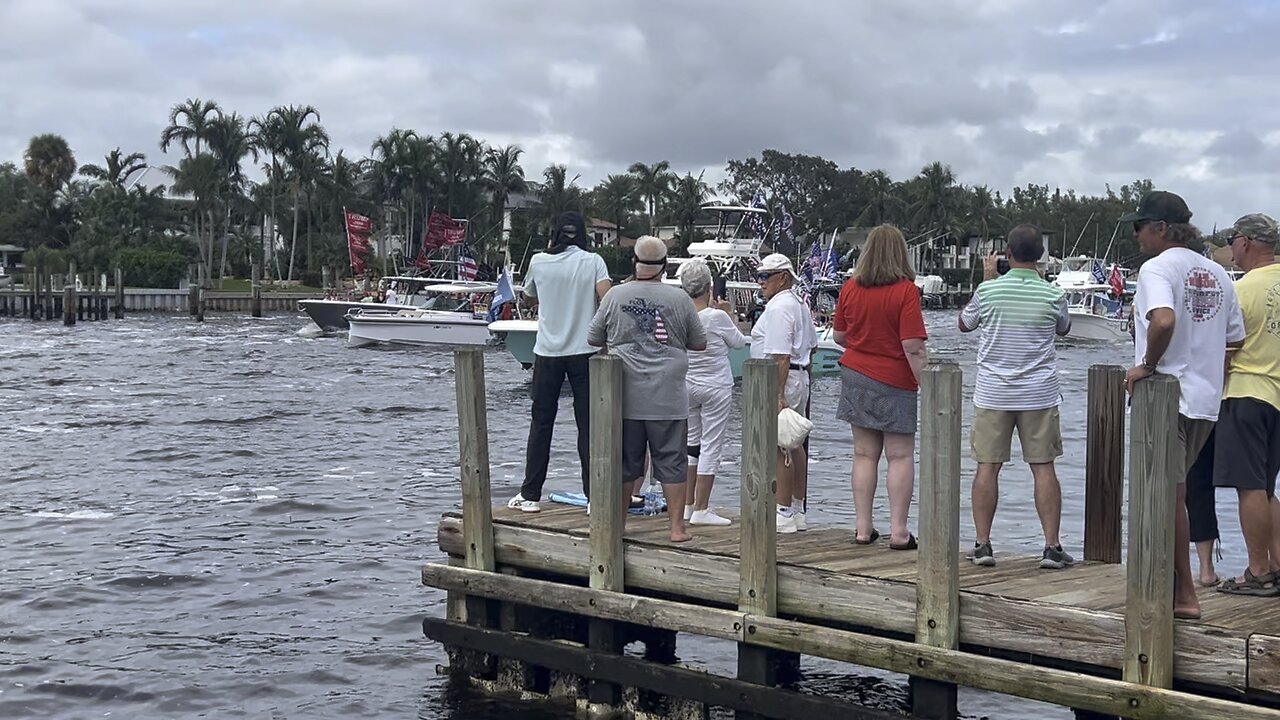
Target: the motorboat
(451, 314)
(330, 314)
(1095, 316)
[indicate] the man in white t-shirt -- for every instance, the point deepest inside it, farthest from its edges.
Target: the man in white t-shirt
(1185, 316)
(785, 334)
(568, 281)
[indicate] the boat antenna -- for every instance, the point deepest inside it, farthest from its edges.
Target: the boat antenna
(1112, 240)
(1086, 227)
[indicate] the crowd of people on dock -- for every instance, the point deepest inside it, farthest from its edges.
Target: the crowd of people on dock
(1220, 340)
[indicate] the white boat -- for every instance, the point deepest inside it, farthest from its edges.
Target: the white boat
(453, 314)
(331, 315)
(520, 335)
(1094, 316)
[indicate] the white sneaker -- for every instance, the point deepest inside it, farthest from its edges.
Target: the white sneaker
(519, 503)
(801, 523)
(688, 512)
(787, 524)
(707, 517)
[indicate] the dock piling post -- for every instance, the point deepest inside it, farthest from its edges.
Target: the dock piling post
(938, 558)
(1153, 448)
(119, 293)
(477, 500)
(256, 292)
(608, 514)
(1104, 464)
(758, 524)
(69, 305)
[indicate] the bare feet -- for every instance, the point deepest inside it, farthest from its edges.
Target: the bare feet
(1186, 612)
(1208, 581)
(679, 536)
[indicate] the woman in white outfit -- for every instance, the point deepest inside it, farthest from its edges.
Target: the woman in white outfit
(710, 382)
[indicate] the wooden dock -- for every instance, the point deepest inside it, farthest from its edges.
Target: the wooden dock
(536, 596)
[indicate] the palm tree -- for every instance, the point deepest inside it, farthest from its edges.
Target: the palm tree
(883, 200)
(200, 177)
(558, 194)
(460, 165)
(189, 125)
(654, 182)
(118, 168)
(49, 165)
(300, 136)
(230, 140)
(503, 176)
(617, 196)
(936, 201)
(984, 212)
(687, 198)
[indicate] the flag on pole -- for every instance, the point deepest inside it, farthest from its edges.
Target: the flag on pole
(812, 269)
(359, 228)
(467, 267)
(1116, 280)
(1099, 275)
(442, 231)
(503, 295)
(756, 222)
(1208, 249)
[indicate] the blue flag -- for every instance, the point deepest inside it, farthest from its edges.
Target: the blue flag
(1099, 275)
(501, 296)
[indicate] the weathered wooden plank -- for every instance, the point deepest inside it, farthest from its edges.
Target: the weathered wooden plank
(953, 666)
(608, 516)
(1149, 590)
(1264, 663)
(1104, 463)
(473, 457)
(758, 586)
(1203, 654)
(670, 681)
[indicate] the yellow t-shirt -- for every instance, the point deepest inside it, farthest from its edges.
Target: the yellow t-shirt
(1255, 367)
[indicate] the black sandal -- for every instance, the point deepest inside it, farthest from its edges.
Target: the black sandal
(1250, 584)
(910, 544)
(874, 536)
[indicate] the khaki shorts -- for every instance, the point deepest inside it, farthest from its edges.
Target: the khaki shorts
(1192, 435)
(1039, 435)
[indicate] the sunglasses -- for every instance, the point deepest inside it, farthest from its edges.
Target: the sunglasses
(1231, 240)
(1137, 227)
(764, 276)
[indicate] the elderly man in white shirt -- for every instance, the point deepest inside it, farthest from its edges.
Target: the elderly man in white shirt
(785, 334)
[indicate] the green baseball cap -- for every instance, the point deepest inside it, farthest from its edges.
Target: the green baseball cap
(1160, 205)
(1258, 227)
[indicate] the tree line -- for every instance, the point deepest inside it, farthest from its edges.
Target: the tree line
(209, 209)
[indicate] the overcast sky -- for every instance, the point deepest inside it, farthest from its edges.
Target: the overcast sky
(1073, 94)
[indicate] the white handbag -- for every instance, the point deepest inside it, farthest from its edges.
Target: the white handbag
(793, 429)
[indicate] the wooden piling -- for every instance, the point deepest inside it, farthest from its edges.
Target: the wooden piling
(1104, 464)
(608, 513)
(119, 293)
(477, 500)
(256, 291)
(938, 558)
(758, 524)
(1153, 448)
(69, 305)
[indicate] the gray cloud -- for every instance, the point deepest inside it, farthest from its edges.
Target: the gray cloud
(1007, 91)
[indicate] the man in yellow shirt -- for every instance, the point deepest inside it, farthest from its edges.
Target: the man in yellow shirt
(1248, 451)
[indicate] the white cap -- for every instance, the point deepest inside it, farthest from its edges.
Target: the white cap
(776, 262)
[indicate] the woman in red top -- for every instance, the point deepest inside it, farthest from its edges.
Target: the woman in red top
(879, 324)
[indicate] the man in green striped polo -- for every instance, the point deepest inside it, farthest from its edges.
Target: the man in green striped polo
(1017, 387)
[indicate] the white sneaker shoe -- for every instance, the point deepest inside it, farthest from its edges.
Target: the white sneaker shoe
(802, 523)
(787, 524)
(688, 512)
(708, 517)
(519, 503)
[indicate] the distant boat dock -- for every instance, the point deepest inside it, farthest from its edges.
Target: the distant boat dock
(542, 605)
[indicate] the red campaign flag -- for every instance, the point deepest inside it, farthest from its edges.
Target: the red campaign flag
(359, 228)
(442, 231)
(1116, 280)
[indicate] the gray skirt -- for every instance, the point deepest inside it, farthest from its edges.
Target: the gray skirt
(872, 405)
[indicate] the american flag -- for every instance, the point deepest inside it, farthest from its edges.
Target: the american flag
(659, 328)
(756, 222)
(467, 267)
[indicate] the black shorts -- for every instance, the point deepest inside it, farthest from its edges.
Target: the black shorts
(1247, 445)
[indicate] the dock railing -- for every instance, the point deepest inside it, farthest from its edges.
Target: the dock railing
(612, 603)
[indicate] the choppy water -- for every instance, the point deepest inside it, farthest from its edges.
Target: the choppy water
(226, 520)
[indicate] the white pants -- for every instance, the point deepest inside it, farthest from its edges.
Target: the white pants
(709, 409)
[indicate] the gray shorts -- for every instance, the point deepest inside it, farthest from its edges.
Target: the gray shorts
(665, 440)
(872, 405)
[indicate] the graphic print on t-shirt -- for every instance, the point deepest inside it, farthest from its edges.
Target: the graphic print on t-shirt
(1202, 295)
(648, 319)
(1271, 323)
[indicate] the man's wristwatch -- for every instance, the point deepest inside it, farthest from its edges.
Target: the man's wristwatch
(1148, 365)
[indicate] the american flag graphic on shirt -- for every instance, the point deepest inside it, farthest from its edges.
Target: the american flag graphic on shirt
(659, 328)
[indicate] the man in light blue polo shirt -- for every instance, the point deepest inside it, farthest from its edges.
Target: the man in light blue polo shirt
(568, 281)
(1017, 387)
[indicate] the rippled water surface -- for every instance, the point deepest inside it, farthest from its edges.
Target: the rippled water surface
(226, 519)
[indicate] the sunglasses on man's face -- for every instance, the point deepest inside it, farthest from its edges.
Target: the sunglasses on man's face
(1137, 227)
(764, 276)
(1231, 240)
